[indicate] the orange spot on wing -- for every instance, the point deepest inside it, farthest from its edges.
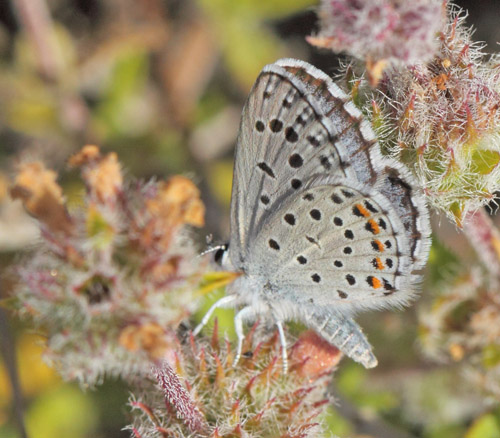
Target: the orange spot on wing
(376, 283)
(379, 263)
(363, 210)
(379, 244)
(374, 226)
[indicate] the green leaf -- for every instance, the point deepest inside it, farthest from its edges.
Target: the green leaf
(486, 426)
(117, 112)
(62, 412)
(444, 431)
(457, 209)
(491, 356)
(336, 424)
(484, 161)
(249, 9)
(247, 42)
(220, 180)
(99, 229)
(442, 263)
(225, 317)
(247, 47)
(276, 8)
(351, 383)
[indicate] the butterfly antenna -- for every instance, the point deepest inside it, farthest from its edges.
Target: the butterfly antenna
(212, 249)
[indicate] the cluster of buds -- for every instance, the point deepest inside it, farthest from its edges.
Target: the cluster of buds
(203, 393)
(444, 122)
(381, 32)
(462, 325)
(111, 280)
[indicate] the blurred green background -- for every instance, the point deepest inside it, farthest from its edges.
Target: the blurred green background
(162, 83)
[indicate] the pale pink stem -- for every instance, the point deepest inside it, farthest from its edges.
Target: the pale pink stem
(35, 18)
(485, 239)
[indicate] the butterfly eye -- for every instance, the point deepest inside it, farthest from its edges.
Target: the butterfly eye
(220, 253)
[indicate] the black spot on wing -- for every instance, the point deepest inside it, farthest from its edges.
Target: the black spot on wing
(347, 193)
(342, 294)
(295, 161)
(266, 169)
(336, 199)
(325, 162)
(302, 260)
(291, 135)
(315, 214)
(274, 245)
(316, 278)
(337, 221)
(370, 207)
(289, 219)
(313, 141)
(276, 125)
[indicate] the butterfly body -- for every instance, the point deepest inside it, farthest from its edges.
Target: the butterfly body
(322, 225)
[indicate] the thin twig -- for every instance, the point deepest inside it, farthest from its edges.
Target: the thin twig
(485, 239)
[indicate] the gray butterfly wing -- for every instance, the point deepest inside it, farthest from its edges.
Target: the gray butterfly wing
(353, 133)
(400, 188)
(285, 138)
(362, 152)
(336, 245)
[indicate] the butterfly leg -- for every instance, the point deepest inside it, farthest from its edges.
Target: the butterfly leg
(284, 353)
(245, 313)
(226, 301)
(345, 334)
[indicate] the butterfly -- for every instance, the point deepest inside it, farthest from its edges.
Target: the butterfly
(323, 226)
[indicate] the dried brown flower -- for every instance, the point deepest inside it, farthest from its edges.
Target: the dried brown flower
(42, 196)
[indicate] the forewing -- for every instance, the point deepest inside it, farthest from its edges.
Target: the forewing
(338, 245)
(285, 138)
(354, 133)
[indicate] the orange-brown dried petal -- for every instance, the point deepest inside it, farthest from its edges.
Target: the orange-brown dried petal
(195, 213)
(161, 272)
(105, 177)
(86, 155)
(36, 186)
(178, 202)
